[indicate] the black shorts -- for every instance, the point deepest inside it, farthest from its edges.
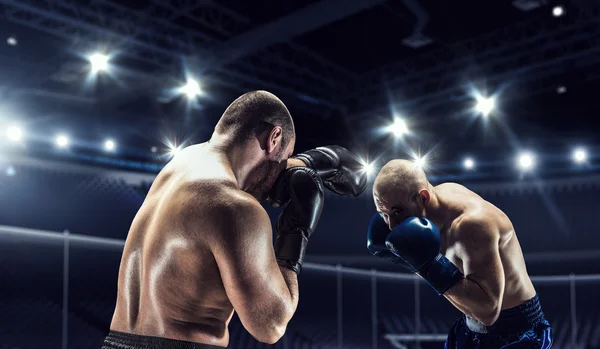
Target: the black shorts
(120, 340)
(524, 326)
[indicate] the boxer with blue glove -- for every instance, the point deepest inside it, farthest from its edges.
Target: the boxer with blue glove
(466, 249)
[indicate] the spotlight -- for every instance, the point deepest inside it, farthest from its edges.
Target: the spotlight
(368, 168)
(398, 128)
(109, 145)
(526, 161)
(62, 141)
(191, 89)
(420, 162)
(12, 41)
(469, 163)
(14, 134)
(558, 11)
(579, 155)
(485, 105)
(561, 89)
(10, 171)
(173, 150)
(99, 62)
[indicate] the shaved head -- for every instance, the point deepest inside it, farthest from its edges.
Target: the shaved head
(402, 177)
(401, 190)
(254, 112)
(261, 126)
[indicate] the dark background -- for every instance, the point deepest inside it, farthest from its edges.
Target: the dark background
(345, 69)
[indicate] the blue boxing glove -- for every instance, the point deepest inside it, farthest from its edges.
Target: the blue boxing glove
(376, 235)
(417, 242)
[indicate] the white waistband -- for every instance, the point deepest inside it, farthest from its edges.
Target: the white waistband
(475, 325)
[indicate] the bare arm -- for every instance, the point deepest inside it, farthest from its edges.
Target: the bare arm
(480, 293)
(293, 162)
(264, 296)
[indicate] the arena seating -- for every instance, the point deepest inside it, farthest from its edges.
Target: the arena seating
(96, 205)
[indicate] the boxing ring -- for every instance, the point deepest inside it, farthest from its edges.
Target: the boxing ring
(352, 288)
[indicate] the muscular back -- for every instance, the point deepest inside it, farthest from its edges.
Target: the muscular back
(469, 206)
(169, 282)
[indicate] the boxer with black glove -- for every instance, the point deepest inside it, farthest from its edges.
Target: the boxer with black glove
(302, 189)
(341, 170)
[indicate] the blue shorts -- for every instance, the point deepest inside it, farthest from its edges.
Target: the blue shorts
(524, 326)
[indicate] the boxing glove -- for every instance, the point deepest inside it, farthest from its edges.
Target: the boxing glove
(302, 189)
(376, 236)
(341, 170)
(417, 242)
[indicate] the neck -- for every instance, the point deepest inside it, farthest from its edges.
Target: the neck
(234, 157)
(437, 210)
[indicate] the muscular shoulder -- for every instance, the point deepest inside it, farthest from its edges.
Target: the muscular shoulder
(240, 208)
(476, 227)
(224, 209)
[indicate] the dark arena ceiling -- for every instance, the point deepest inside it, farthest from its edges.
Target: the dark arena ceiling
(345, 69)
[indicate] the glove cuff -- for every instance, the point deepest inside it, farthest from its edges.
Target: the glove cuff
(441, 274)
(290, 249)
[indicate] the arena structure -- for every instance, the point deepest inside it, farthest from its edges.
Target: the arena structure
(96, 96)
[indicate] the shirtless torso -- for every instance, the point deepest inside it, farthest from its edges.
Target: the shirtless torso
(169, 282)
(465, 205)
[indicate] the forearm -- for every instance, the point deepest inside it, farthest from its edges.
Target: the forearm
(294, 162)
(268, 319)
(291, 281)
(471, 299)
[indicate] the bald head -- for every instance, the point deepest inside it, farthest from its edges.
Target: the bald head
(401, 177)
(255, 112)
(401, 190)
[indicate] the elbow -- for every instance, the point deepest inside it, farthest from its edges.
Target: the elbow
(489, 314)
(271, 335)
(273, 329)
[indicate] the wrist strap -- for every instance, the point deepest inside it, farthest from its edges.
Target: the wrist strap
(441, 274)
(290, 249)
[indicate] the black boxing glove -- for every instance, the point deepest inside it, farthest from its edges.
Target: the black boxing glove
(341, 170)
(304, 190)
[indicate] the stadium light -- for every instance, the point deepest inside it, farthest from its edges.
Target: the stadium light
(558, 11)
(62, 141)
(109, 145)
(579, 155)
(175, 150)
(367, 167)
(191, 89)
(420, 162)
(14, 134)
(485, 105)
(12, 41)
(10, 171)
(99, 62)
(398, 127)
(469, 164)
(526, 161)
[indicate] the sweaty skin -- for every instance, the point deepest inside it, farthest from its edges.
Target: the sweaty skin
(480, 240)
(198, 248)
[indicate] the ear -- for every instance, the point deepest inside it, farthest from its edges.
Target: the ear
(424, 197)
(274, 139)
